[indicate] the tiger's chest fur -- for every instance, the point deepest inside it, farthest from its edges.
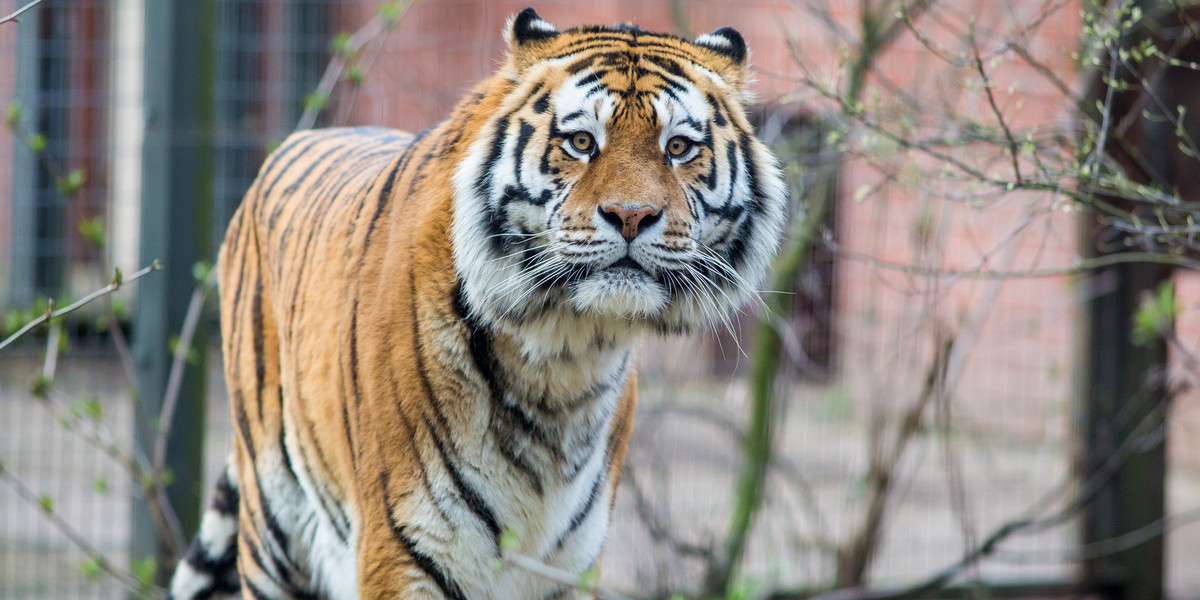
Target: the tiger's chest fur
(543, 470)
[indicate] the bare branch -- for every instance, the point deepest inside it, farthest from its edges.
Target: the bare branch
(104, 291)
(378, 26)
(1013, 150)
(555, 574)
(76, 538)
(19, 11)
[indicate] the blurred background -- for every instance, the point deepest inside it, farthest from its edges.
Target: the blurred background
(972, 372)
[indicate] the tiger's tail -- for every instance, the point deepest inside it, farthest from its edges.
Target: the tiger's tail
(209, 570)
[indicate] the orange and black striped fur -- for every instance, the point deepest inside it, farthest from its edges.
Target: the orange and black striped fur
(428, 340)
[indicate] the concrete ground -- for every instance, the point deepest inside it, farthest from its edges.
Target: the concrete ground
(682, 458)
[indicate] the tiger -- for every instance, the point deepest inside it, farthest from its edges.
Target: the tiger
(429, 339)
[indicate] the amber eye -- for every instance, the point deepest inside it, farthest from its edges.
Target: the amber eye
(678, 146)
(582, 141)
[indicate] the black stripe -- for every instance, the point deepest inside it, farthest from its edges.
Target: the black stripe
(283, 449)
(480, 346)
(255, 592)
(384, 476)
(466, 491)
(301, 153)
(483, 182)
(329, 505)
(718, 113)
(523, 136)
(243, 423)
(528, 425)
(386, 192)
(583, 512)
(256, 332)
(198, 558)
(542, 104)
(225, 498)
(312, 139)
(447, 585)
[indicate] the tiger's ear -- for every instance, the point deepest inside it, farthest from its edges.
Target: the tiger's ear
(527, 36)
(730, 48)
(527, 27)
(727, 42)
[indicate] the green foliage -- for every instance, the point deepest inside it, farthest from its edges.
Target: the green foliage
(47, 503)
(316, 101)
(355, 75)
(41, 387)
(388, 13)
(588, 580)
(13, 118)
(190, 355)
(144, 571)
(89, 409)
(509, 540)
(93, 232)
(341, 44)
(101, 485)
(70, 184)
(1156, 315)
(90, 568)
(201, 270)
(36, 143)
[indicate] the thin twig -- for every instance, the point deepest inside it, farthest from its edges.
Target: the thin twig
(374, 28)
(178, 366)
(17, 13)
(167, 415)
(104, 291)
(1013, 149)
(1082, 266)
(81, 542)
(555, 574)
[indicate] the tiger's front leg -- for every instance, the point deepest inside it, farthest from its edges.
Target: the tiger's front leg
(391, 564)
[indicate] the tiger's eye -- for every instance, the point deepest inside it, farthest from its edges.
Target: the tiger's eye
(678, 146)
(582, 141)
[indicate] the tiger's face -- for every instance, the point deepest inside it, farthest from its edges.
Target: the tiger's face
(619, 178)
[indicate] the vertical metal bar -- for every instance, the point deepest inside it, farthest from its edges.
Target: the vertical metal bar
(1121, 401)
(177, 187)
(25, 165)
(1121, 425)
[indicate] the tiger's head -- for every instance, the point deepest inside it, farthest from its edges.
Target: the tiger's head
(619, 178)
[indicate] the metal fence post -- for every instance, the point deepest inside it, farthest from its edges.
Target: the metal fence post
(1121, 427)
(177, 185)
(22, 289)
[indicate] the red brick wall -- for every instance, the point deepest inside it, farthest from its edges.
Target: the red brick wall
(1018, 367)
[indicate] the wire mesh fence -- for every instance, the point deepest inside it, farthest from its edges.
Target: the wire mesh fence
(897, 359)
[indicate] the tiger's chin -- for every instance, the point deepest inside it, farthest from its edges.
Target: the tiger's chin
(622, 292)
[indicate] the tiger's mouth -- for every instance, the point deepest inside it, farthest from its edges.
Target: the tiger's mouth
(628, 262)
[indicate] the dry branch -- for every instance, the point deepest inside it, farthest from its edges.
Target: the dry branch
(54, 314)
(19, 11)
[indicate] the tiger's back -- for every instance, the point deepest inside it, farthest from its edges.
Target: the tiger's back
(291, 270)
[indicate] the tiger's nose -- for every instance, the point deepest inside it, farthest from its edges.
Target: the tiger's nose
(630, 219)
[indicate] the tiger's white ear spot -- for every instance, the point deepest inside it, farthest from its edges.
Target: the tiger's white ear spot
(727, 41)
(527, 27)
